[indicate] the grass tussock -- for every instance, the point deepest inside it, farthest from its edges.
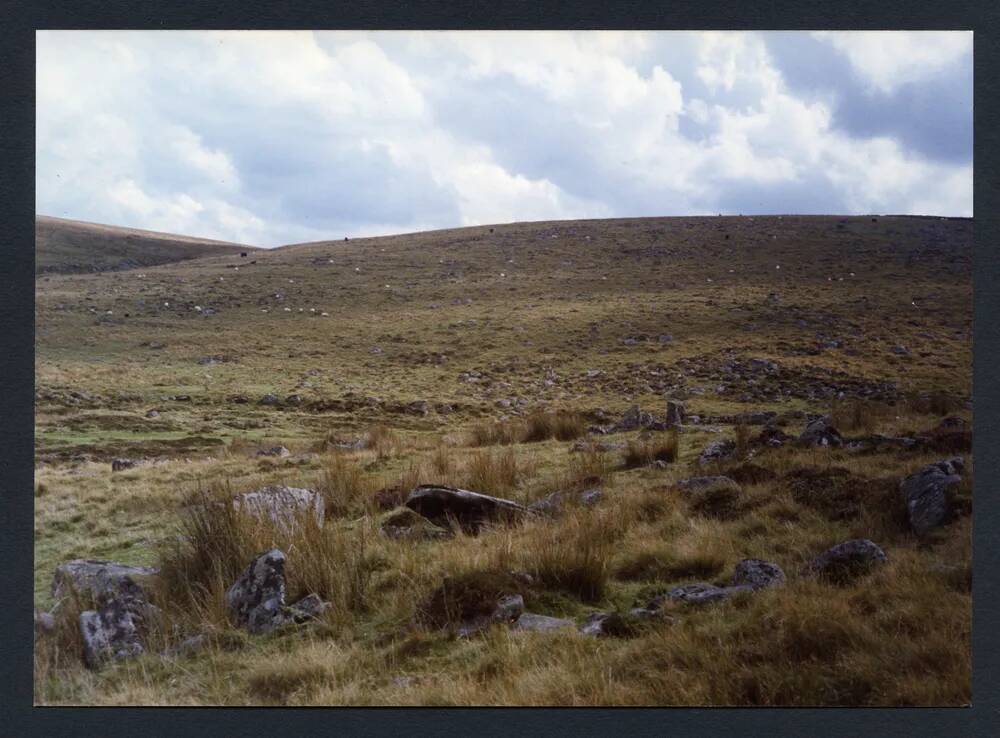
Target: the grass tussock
(347, 490)
(560, 425)
(853, 414)
(384, 441)
(496, 433)
(664, 563)
(495, 472)
(574, 555)
(539, 426)
(643, 452)
(216, 542)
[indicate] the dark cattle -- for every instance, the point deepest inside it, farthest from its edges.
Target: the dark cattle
(243, 254)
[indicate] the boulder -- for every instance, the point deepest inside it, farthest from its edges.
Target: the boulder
(309, 607)
(269, 399)
(757, 574)
(634, 418)
(675, 413)
(929, 494)
(529, 621)
(847, 561)
(256, 600)
(717, 451)
(772, 437)
(469, 510)
(284, 506)
(820, 432)
(115, 630)
(118, 465)
(94, 578)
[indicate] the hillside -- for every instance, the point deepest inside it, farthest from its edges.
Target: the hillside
(74, 246)
(507, 360)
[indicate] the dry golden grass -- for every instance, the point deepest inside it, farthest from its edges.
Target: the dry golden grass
(898, 636)
(643, 452)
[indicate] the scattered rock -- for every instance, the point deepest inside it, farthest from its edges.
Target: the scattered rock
(847, 561)
(269, 399)
(608, 624)
(115, 630)
(152, 414)
(675, 413)
(188, 646)
(699, 593)
(275, 451)
(929, 494)
(118, 465)
(94, 578)
(634, 418)
(820, 432)
(309, 607)
(771, 437)
(757, 574)
(529, 621)
(469, 510)
(508, 610)
(554, 503)
(405, 523)
(284, 506)
(717, 451)
(256, 600)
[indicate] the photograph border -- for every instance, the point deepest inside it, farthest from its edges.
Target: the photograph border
(17, 204)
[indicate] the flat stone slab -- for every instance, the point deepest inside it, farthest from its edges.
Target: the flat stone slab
(96, 578)
(470, 510)
(529, 621)
(284, 506)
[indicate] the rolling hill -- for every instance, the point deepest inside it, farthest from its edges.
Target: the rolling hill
(73, 246)
(532, 362)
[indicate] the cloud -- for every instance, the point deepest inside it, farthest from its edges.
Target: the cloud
(888, 59)
(277, 137)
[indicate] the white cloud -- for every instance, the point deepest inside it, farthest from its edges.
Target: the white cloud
(888, 59)
(274, 137)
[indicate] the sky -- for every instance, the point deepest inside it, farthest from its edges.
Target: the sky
(269, 138)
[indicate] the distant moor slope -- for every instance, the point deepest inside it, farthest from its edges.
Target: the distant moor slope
(72, 246)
